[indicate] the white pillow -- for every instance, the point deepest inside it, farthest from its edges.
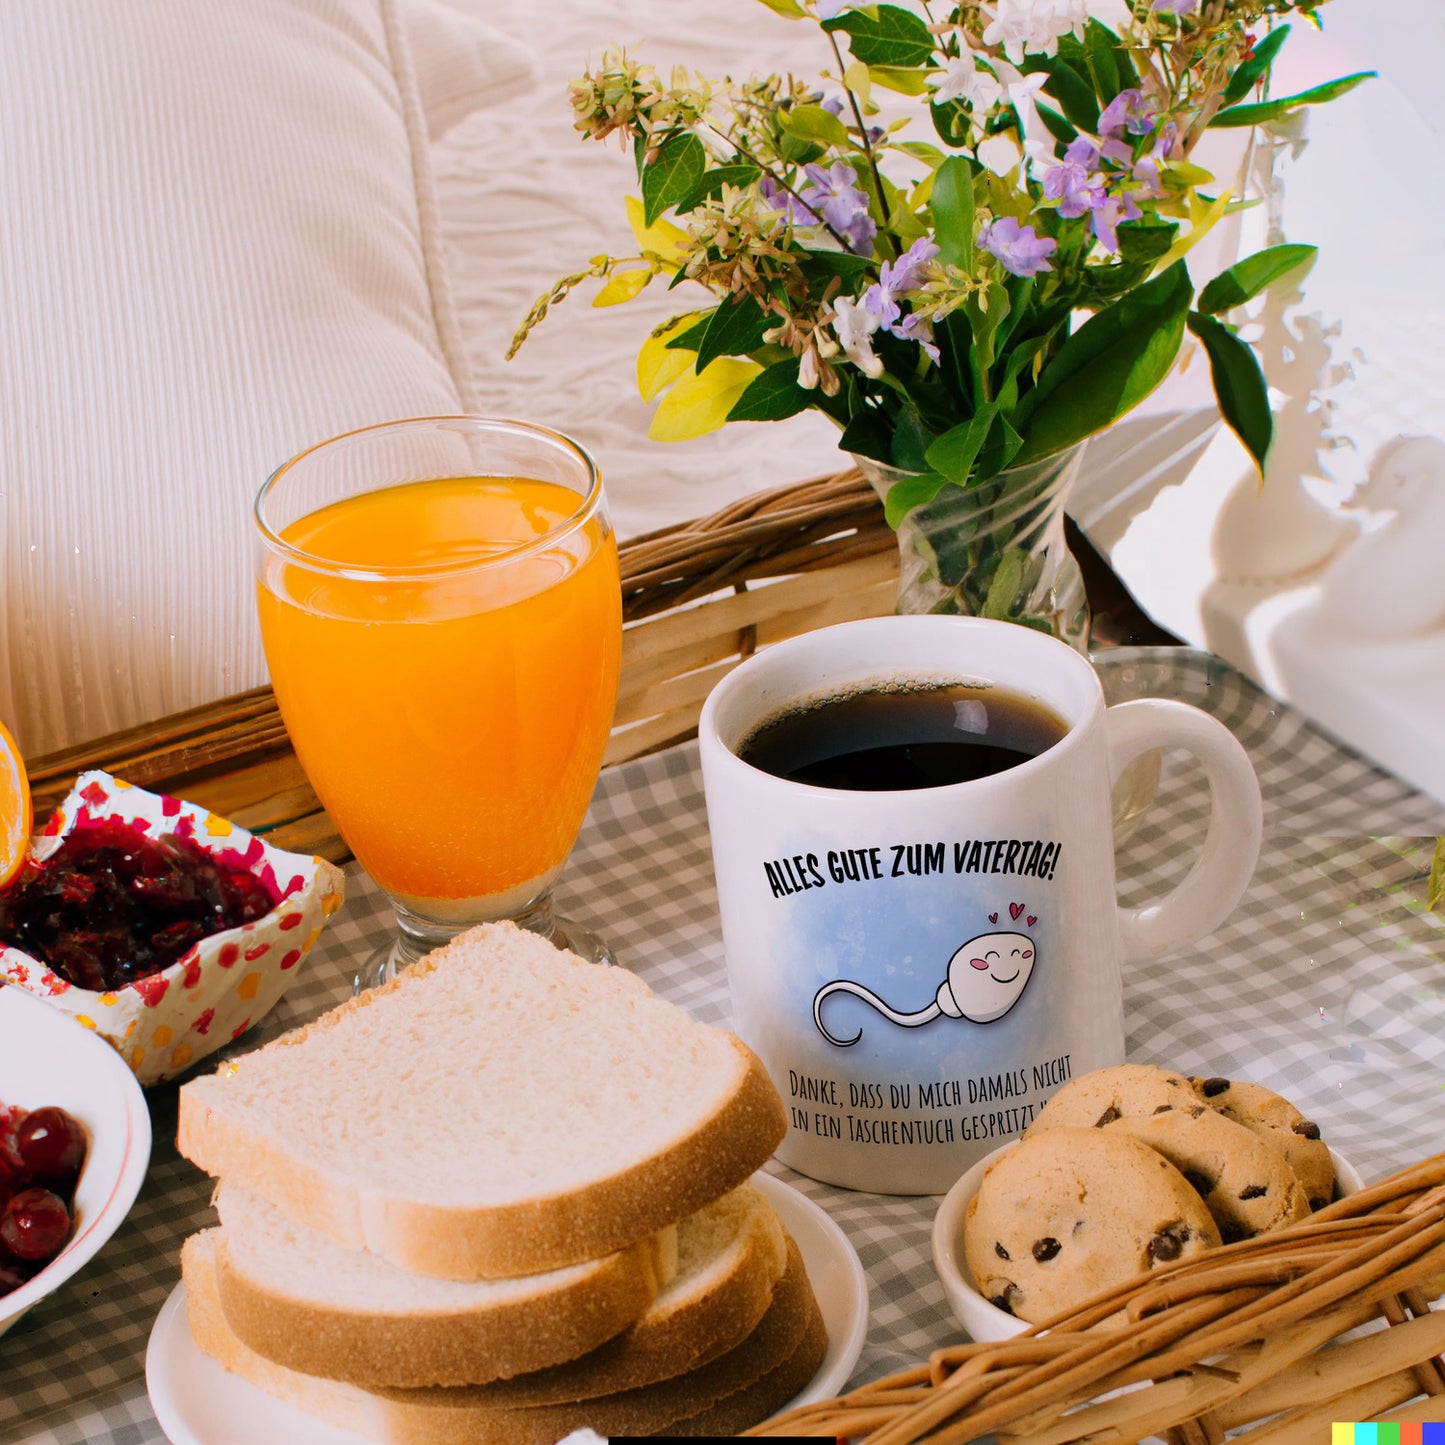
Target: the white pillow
(218, 245)
(460, 64)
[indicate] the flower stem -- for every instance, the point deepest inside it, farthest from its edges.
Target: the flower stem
(863, 138)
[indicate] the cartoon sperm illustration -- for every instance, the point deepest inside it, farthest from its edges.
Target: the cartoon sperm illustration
(985, 978)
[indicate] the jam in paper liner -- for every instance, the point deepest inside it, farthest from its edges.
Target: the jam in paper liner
(162, 1024)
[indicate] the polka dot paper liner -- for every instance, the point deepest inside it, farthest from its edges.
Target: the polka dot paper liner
(223, 984)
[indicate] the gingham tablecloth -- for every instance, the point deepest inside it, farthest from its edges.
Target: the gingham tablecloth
(1328, 984)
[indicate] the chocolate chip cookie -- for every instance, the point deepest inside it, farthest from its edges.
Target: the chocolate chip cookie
(1068, 1212)
(1245, 1182)
(1278, 1122)
(1103, 1095)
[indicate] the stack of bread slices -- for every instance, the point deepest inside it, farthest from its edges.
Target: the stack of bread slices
(504, 1197)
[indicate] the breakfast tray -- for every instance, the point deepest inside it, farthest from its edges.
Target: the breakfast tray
(1273, 997)
(1325, 984)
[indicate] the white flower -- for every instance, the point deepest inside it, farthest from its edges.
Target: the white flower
(999, 153)
(1033, 26)
(854, 325)
(966, 79)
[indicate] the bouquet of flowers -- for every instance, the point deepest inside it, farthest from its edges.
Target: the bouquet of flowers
(966, 244)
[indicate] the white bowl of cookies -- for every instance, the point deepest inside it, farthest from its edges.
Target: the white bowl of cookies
(1124, 1170)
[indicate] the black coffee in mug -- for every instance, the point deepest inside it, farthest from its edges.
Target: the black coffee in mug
(901, 735)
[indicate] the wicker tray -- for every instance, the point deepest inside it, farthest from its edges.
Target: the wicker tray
(697, 598)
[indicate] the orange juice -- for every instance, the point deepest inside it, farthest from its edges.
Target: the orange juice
(450, 698)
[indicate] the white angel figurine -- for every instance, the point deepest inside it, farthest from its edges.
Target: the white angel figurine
(1390, 582)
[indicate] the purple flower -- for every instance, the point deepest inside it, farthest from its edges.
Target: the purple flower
(1176, 7)
(917, 328)
(779, 198)
(1108, 216)
(897, 279)
(910, 270)
(1020, 249)
(1082, 152)
(1131, 111)
(835, 195)
(1074, 187)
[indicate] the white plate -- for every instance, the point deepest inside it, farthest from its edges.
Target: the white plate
(48, 1058)
(199, 1403)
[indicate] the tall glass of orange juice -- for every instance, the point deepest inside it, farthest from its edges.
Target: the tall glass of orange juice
(441, 613)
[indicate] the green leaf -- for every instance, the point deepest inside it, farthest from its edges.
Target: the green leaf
(773, 395)
(912, 491)
(1109, 365)
(951, 202)
(868, 434)
(788, 9)
(1238, 115)
(734, 329)
(691, 339)
(1247, 278)
(899, 78)
(1073, 92)
(911, 440)
(1056, 125)
(1100, 56)
(672, 174)
(1252, 71)
(922, 150)
(813, 123)
(885, 35)
(954, 453)
(1239, 385)
(1435, 894)
(1004, 586)
(710, 183)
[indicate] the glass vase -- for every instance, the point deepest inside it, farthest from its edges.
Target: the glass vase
(994, 548)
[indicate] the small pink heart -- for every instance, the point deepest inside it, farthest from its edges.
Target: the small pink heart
(1032, 920)
(993, 918)
(1014, 909)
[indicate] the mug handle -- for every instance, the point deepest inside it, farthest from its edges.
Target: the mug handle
(1215, 884)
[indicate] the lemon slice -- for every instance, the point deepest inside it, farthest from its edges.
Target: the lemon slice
(15, 813)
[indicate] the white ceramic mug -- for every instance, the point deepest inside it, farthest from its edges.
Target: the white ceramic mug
(920, 970)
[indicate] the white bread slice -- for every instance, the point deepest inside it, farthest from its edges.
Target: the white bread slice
(749, 1381)
(730, 1256)
(312, 1305)
(500, 1108)
(302, 1299)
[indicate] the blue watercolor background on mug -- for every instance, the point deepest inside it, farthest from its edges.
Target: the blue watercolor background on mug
(895, 936)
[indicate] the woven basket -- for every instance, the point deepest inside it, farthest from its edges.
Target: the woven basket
(1280, 1336)
(697, 599)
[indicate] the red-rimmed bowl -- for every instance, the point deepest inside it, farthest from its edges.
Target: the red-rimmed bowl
(48, 1058)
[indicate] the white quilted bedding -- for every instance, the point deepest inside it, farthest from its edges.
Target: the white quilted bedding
(524, 200)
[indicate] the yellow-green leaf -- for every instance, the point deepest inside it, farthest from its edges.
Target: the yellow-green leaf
(858, 80)
(1202, 217)
(623, 286)
(659, 365)
(696, 405)
(662, 238)
(900, 78)
(788, 9)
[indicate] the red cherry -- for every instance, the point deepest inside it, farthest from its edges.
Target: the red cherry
(34, 1225)
(12, 1276)
(51, 1145)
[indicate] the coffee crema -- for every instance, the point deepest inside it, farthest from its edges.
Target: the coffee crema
(903, 735)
